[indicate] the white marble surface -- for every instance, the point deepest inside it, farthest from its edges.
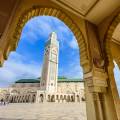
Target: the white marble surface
(43, 111)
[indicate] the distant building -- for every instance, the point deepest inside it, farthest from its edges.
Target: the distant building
(49, 87)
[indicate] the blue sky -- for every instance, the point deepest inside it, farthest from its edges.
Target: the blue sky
(27, 60)
(117, 76)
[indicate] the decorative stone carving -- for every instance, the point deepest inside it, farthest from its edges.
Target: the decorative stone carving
(99, 63)
(108, 37)
(110, 65)
(36, 11)
(96, 80)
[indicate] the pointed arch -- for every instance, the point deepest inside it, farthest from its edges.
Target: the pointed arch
(38, 11)
(108, 37)
(110, 64)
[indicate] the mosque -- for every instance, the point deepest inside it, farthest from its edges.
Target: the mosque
(96, 26)
(49, 87)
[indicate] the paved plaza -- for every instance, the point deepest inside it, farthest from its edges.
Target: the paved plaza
(43, 111)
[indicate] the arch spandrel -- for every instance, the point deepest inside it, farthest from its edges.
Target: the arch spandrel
(37, 11)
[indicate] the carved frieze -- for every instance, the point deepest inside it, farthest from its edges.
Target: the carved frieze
(96, 80)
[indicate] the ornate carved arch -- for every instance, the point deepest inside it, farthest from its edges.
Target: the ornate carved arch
(110, 65)
(108, 37)
(37, 11)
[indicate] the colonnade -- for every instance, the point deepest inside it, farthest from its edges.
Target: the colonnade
(44, 97)
(60, 98)
(22, 98)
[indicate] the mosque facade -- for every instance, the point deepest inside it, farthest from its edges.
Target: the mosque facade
(49, 87)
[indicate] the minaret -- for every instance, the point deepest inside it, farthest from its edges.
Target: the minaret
(50, 66)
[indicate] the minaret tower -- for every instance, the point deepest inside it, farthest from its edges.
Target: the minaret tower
(50, 66)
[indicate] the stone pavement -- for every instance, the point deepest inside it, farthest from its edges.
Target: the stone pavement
(43, 111)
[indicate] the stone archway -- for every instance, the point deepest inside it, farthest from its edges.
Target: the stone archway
(16, 29)
(38, 11)
(68, 98)
(108, 37)
(33, 98)
(78, 98)
(29, 98)
(52, 98)
(48, 98)
(110, 64)
(41, 97)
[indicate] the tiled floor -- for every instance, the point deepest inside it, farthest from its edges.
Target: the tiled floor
(43, 111)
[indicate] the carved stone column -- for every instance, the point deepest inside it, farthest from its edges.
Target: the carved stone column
(96, 79)
(113, 96)
(99, 81)
(95, 84)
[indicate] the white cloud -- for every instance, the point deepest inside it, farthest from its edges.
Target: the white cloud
(76, 70)
(42, 26)
(72, 70)
(15, 68)
(73, 43)
(35, 29)
(30, 36)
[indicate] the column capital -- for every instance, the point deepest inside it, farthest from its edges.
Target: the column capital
(96, 80)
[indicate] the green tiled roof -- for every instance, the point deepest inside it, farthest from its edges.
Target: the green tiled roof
(60, 79)
(28, 81)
